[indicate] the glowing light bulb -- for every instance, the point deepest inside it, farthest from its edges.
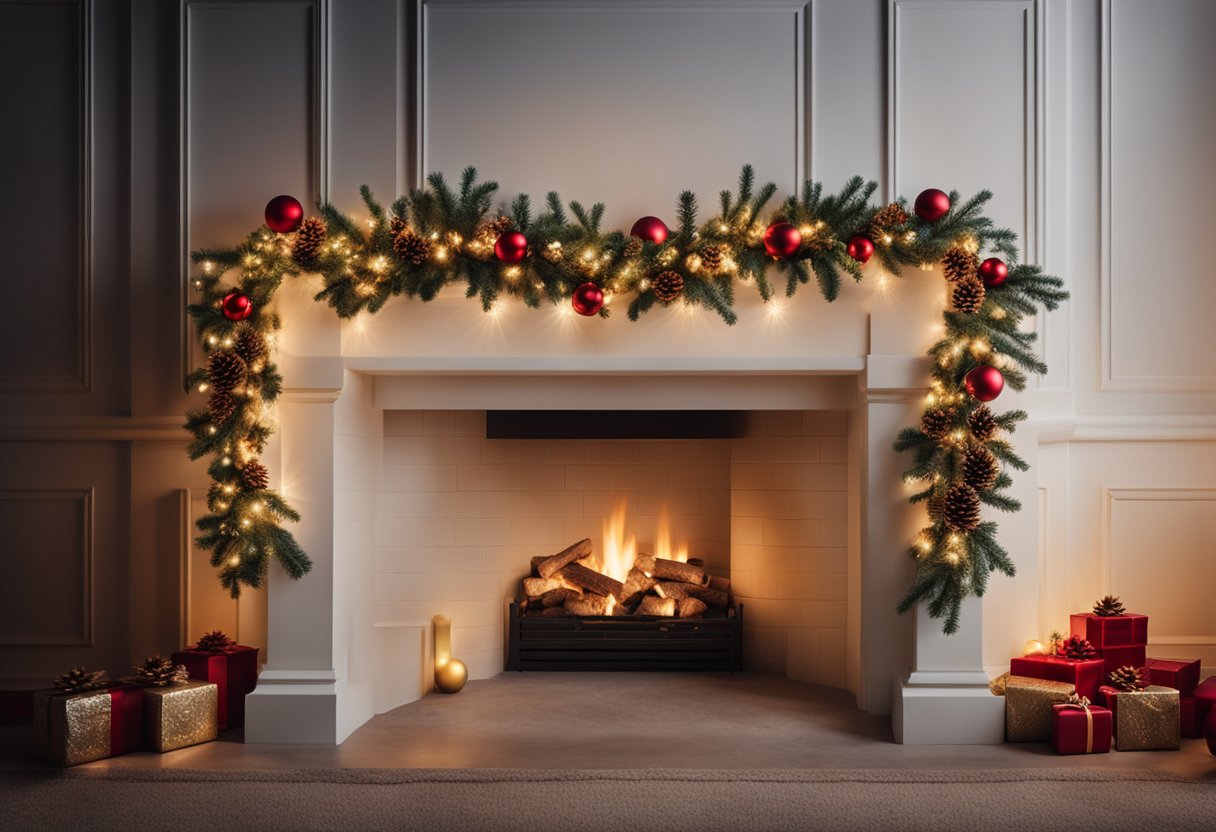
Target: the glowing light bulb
(202, 388)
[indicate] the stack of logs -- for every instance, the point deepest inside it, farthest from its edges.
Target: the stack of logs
(560, 585)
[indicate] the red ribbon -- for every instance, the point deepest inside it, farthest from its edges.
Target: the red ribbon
(126, 723)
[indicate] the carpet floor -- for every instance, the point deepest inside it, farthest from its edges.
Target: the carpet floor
(659, 800)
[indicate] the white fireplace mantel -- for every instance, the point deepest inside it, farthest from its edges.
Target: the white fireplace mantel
(341, 377)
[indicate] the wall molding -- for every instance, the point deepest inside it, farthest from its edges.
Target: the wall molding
(803, 11)
(318, 141)
(1111, 495)
(86, 428)
(82, 380)
(1109, 382)
(83, 496)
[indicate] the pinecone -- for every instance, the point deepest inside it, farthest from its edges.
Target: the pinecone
(668, 286)
(226, 370)
(250, 346)
(78, 679)
(494, 229)
(959, 264)
(936, 423)
(962, 509)
(711, 257)
(980, 468)
(1126, 678)
(1078, 649)
(255, 475)
(160, 673)
(395, 226)
(214, 641)
(306, 249)
(968, 295)
(412, 248)
(982, 423)
(936, 504)
(634, 247)
(1108, 606)
(887, 218)
(221, 406)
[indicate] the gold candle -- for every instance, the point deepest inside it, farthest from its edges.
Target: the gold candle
(450, 673)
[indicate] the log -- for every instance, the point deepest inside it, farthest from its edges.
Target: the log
(558, 597)
(551, 565)
(535, 587)
(720, 584)
(644, 562)
(674, 570)
(554, 612)
(587, 605)
(637, 584)
(591, 580)
(676, 590)
(690, 607)
(653, 605)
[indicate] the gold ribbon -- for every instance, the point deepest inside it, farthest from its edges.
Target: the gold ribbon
(1082, 702)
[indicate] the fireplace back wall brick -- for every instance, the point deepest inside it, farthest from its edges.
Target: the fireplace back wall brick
(460, 516)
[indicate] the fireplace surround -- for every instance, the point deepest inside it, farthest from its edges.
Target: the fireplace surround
(350, 640)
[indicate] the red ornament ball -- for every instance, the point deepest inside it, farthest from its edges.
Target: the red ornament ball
(993, 272)
(985, 382)
(861, 249)
(511, 247)
(284, 214)
(782, 239)
(932, 204)
(649, 228)
(237, 306)
(588, 299)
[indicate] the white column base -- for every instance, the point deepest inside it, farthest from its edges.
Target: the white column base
(946, 714)
(295, 707)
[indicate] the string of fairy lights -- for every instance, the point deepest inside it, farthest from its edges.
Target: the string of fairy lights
(443, 234)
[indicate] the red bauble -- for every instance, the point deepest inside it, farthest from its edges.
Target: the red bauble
(511, 247)
(932, 204)
(588, 299)
(237, 306)
(993, 272)
(782, 239)
(284, 214)
(649, 228)
(861, 249)
(985, 382)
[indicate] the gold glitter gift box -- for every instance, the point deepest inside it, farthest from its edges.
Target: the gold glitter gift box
(80, 727)
(1028, 707)
(1145, 720)
(179, 715)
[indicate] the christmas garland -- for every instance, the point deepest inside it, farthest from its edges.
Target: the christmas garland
(439, 235)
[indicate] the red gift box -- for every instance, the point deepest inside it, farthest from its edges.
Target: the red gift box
(1085, 676)
(1180, 674)
(1103, 631)
(1078, 729)
(1205, 699)
(234, 670)
(1117, 657)
(1188, 723)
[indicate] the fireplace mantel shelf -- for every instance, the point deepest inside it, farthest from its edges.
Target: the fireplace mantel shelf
(609, 365)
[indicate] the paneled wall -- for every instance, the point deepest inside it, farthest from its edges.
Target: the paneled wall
(137, 129)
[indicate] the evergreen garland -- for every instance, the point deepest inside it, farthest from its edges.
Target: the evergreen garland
(440, 234)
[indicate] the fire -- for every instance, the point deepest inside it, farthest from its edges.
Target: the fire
(619, 551)
(662, 542)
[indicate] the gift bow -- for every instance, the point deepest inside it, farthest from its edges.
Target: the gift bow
(1082, 702)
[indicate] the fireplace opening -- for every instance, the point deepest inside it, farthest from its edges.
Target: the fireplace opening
(755, 518)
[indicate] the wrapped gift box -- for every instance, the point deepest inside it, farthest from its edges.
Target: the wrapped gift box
(1205, 699)
(1145, 720)
(176, 716)
(1081, 729)
(234, 670)
(1086, 677)
(1111, 630)
(1180, 674)
(1189, 724)
(1028, 711)
(75, 728)
(1117, 657)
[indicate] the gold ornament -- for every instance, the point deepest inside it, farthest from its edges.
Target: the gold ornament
(1034, 647)
(450, 673)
